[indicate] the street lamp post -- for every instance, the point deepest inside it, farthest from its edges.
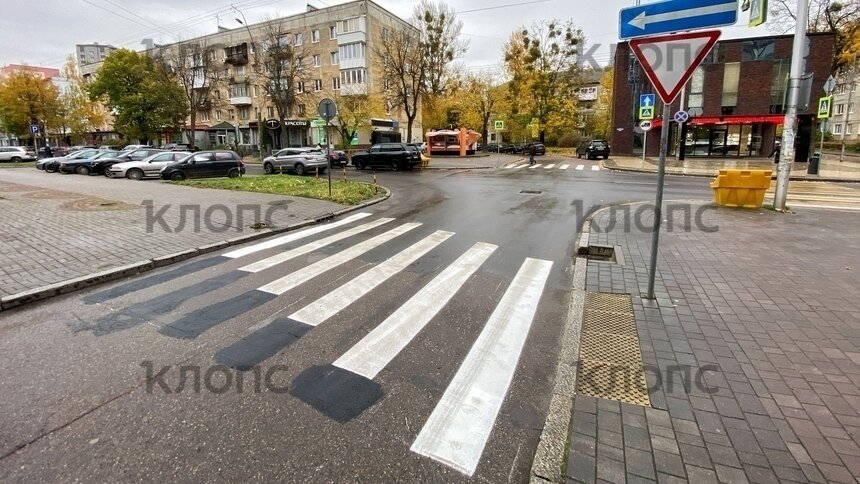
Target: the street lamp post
(244, 22)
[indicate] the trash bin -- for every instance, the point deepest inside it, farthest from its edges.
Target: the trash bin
(812, 167)
(741, 188)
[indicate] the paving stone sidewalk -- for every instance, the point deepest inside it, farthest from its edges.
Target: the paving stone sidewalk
(55, 227)
(830, 169)
(770, 302)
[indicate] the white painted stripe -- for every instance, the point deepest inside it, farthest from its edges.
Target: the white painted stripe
(519, 166)
(550, 166)
(534, 166)
(327, 306)
(595, 167)
(297, 278)
(457, 430)
(370, 355)
(312, 246)
(564, 167)
(511, 166)
(268, 244)
(580, 167)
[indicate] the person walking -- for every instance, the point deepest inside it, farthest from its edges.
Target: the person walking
(48, 152)
(532, 151)
(776, 151)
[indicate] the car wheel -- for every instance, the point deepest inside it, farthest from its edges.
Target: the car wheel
(16, 159)
(579, 155)
(82, 170)
(359, 166)
(177, 176)
(51, 169)
(233, 173)
(393, 166)
(134, 174)
(300, 169)
(605, 157)
(268, 168)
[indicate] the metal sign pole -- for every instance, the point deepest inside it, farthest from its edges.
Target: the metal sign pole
(644, 144)
(328, 157)
(658, 204)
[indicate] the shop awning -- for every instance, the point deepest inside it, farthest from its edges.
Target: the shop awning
(732, 119)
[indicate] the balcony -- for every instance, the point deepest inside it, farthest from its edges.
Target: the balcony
(239, 79)
(240, 100)
(236, 55)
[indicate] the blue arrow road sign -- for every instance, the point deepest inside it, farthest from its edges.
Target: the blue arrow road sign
(646, 100)
(675, 16)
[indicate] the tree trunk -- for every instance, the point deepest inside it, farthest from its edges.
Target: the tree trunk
(409, 121)
(192, 135)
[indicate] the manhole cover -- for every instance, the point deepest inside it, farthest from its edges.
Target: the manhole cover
(531, 192)
(51, 194)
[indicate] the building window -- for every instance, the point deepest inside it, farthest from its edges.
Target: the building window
(315, 36)
(270, 111)
(317, 85)
(299, 39)
(230, 114)
(243, 113)
(218, 115)
(384, 33)
(837, 129)
(697, 89)
(840, 109)
(301, 109)
(851, 108)
(332, 32)
(778, 85)
(256, 91)
(848, 128)
(238, 90)
(334, 59)
(285, 39)
(300, 87)
(240, 70)
(757, 50)
(353, 76)
(204, 116)
(349, 25)
(731, 76)
(355, 50)
(335, 83)
(317, 61)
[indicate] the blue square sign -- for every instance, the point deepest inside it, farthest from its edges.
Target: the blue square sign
(646, 100)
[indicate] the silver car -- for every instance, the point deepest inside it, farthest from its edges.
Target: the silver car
(16, 154)
(149, 167)
(297, 160)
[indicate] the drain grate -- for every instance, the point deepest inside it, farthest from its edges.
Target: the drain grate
(531, 192)
(602, 253)
(610, 360)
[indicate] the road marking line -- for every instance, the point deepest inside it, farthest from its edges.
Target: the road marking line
(534, 166)
(580, 167)
(373, 353)
(564, 167)
(297, 278)
(293, 236)
(457, 430)
(310, 247)
(595, 168)
(548, 167)
(519, 166)
(511, 166)
(327, 306)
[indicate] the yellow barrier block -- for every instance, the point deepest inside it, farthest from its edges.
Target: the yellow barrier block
(741, 188)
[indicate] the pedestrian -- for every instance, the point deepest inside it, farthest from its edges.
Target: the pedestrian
(48, 152)
(532, 151)
(775, 153)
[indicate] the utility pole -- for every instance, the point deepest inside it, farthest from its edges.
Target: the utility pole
(244, 22)
(789, 129)
(851, 87)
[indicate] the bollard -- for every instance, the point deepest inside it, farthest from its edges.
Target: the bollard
(375, 185)
(344, 173)
(282, 169)
(318, 173)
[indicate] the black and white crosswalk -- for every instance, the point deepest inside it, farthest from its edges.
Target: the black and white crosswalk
(456, 432)
(551, 166)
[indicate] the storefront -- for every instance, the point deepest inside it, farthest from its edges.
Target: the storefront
(730, 136)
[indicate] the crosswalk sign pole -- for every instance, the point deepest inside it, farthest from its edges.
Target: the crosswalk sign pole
(658, 204)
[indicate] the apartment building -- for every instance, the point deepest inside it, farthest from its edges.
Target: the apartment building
(337, 43)
(89, 57)
(845, 121)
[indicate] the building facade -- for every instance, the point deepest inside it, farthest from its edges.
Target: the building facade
(338, 44)
(845, 122)
(89, 57)
(587, 95)
(736, 99)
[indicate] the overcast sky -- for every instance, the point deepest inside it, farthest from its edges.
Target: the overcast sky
(44, 32)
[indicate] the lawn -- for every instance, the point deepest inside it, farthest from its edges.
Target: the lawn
(23, 164)
(344, 192)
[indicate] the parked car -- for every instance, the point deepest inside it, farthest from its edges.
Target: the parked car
(55, 151)
(149, 167)
(87, 166)
(51, 165)
(135, 147)
(338, 158)
(16, 154)
(396, 156)
(178, 147)
(82, 147)
(297, 160)
(205, 164)
(540, 149)
(593, 149)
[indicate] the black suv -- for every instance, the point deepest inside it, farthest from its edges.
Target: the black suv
(593, 149)
(396, 156)
(205, 164)
(540, 149)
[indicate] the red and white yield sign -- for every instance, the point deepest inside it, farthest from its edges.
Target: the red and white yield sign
(669, 60)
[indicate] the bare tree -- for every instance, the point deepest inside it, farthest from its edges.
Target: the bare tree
(442, 43)
(283, 70)
(403, 68)
(840, 17)
(195, 66)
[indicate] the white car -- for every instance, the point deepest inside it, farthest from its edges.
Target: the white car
(149, 167)
(16, 154)
(301, 161)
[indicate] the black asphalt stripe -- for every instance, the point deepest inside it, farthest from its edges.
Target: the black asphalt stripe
(262, 344)
(338, 394)
(147, 282)
(196, 323)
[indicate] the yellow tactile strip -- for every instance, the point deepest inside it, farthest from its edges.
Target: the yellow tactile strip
(610, 360)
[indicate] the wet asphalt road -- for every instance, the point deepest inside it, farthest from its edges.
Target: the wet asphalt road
(76, 404)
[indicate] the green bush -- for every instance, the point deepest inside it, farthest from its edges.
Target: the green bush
(569, 140)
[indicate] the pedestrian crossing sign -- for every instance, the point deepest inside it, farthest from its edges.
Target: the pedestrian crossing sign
(825, 105)
(758, 12)
(646, 112)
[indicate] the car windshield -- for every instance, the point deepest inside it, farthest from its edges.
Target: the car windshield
(108, 154)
